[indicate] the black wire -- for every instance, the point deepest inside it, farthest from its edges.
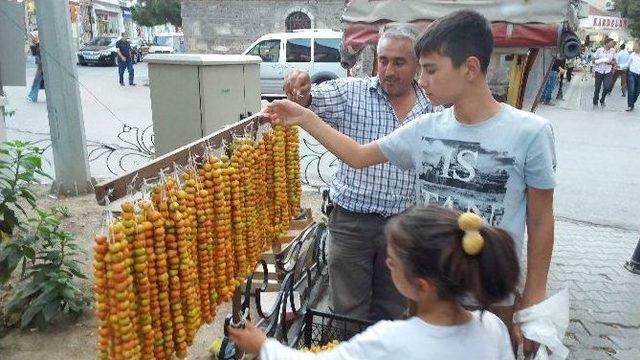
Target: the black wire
(64, 70)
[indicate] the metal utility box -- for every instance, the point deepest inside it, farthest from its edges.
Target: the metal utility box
(193, 95)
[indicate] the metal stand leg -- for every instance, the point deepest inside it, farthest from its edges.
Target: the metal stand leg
(633, 265)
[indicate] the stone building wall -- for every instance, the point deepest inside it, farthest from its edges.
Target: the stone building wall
(226, 26)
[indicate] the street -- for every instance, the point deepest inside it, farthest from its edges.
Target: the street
(596, 223)
(596, 200)
(115, 119)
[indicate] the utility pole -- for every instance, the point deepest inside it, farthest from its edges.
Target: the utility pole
(3, 103)
(66, 124)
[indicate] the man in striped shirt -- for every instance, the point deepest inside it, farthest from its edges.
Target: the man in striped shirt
(366, 109)
(603, 71)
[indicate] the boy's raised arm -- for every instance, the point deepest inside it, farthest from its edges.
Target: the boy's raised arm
(343, 147)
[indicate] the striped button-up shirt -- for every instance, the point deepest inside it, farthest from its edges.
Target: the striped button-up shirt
(603, 59)
(360, 109)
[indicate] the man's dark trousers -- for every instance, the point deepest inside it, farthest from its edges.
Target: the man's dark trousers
(360, 281)
(127, 64)
(602, 83)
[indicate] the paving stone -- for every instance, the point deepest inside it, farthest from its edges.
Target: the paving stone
(604, 297)
(625, 343)
(598, 329)
(589, 354)
(576, 327)
(617, 318)
(570, 340)
(612, 306)
(590, 341)
(632, 354)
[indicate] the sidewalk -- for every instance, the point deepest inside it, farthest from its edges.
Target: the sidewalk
(605, 297)
(597, 228)
(578, 95)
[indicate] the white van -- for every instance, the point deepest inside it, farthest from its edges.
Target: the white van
(316, 51)
(168, 43)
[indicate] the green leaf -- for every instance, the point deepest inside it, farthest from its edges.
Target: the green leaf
(28, 195)
(6, 249)
(28, 314)
(51, 310)
(32, 288)
(29, 253)
(20, 208)
(17, 303)
(77, 273)
(45, 297)
(68, 293)
(32, 162)
(11, 259)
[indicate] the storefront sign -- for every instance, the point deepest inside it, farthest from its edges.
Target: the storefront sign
(606, 22)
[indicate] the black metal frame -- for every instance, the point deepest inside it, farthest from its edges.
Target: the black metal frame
(320, 327)
(301, 267)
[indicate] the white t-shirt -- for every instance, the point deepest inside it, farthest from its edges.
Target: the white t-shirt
(484, 168)
(482, 337)
(634, 63)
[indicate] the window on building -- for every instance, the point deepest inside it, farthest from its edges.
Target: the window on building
(297, 20)
(299, 50)
(268, 50)
(326, 50)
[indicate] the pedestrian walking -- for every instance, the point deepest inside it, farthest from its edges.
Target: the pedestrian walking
(38, 78)
(633, 78)
(557, 69)
(622, 67)
(364, 199)
(604, 60)
(437, 257)
(123, 47)
(571, 65)
(478, 155)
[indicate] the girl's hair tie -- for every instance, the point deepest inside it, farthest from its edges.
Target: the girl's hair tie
(472, 240)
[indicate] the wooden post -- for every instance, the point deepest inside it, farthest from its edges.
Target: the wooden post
(66, 124)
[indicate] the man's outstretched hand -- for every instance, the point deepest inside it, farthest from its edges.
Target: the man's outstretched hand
(288, 112)
(297, 86)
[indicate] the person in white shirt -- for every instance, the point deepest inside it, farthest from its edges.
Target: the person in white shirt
(633, 77)
(622, 65)
(437, 257)
(604, 60)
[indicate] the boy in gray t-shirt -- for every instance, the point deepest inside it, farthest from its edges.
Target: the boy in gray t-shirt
(479, 155)
(484, 168)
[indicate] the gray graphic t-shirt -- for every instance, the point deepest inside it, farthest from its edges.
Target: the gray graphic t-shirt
(484, 168)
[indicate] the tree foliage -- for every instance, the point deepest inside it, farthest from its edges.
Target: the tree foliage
(157, 12)
(631, 10)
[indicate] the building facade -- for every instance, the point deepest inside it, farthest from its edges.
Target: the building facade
(227, 26)
(603, 21)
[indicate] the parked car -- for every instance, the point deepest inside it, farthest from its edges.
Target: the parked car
(139, 49)
(101, 50)
(316, 51)
(168, 43)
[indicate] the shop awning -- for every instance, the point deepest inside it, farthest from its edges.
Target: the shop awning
(515, 23)
(513, 11)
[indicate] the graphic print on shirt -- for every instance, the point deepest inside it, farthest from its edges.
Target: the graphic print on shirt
(465, 176)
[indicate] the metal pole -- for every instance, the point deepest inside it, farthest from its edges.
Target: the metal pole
(66, 124)
(633, 265)
(3, 125)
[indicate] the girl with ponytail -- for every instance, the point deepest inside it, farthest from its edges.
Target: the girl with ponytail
(438, 258)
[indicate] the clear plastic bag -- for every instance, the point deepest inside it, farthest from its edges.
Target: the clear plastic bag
(546, 323)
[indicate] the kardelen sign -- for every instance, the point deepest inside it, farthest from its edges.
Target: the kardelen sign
(605, 22)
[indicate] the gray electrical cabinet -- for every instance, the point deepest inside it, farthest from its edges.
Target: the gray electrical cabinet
(193, 95)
